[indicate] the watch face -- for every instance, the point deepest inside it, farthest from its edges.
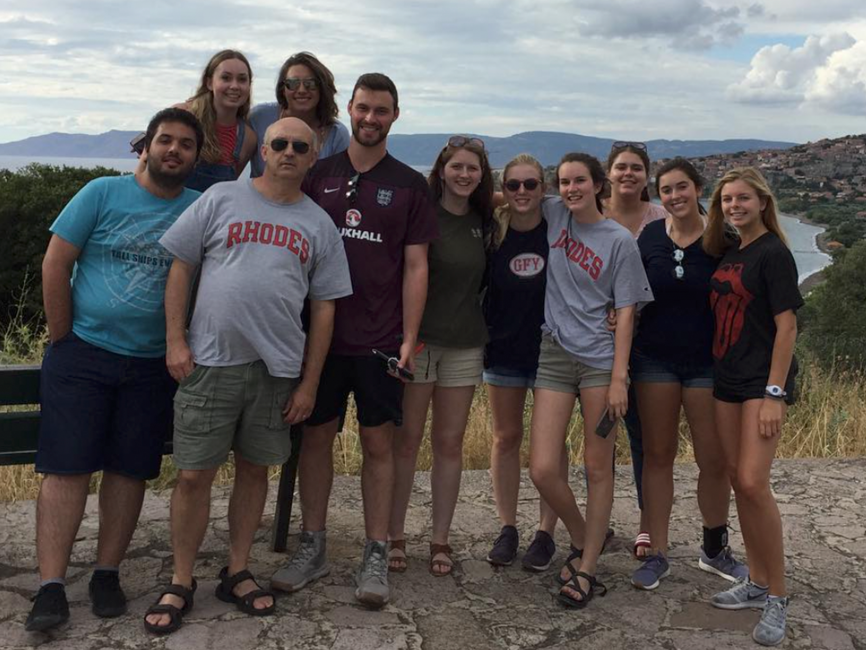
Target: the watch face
(775, 391)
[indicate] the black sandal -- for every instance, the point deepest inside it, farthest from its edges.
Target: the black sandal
(245, 603)
(176, 614)
(571, 601)
(576, 554)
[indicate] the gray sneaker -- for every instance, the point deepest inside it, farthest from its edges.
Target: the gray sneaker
(307, 564)
(653, 569)
(770, 630)
(742, 595)
(724, 565)
(372, 578)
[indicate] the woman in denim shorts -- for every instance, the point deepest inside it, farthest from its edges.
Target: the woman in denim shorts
(672, 368)
(514, 313)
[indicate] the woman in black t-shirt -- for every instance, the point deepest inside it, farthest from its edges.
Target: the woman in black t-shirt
(754, 299)
(514, 312)
(672, 368)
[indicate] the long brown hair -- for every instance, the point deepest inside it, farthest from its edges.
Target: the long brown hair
(596, 173)
(201, 104)
(502, 214)
(717, 237)
(326, 109)
(481, 200)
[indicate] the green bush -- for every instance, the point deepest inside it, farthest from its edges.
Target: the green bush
(30, 200)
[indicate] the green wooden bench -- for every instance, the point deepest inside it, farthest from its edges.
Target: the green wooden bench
(19, 431)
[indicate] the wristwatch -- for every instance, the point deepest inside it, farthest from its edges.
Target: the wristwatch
(775, 392)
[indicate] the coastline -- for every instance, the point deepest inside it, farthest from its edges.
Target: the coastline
(813, 279)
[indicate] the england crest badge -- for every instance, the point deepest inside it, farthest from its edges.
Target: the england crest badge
(383, 197)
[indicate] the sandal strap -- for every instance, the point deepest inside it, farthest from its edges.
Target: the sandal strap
(574, 585)
(230, 582)
(575, 554)
(185, 593)
(398, 544)
(165, 608)
(593, 582)
(251, 597)
(436, 549)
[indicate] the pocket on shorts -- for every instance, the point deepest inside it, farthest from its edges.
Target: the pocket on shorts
(191, 412)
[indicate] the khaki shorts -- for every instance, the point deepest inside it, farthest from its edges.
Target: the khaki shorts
(449, 367)
(559, 370)
(240, 408)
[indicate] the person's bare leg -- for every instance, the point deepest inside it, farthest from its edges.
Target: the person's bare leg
(316, 474)
(546, 515)
(120, 499)
(246, 506)
(377, 479)
(659, 406)
(506, 408)
(190, 513)
(59, 510)
(714, 485)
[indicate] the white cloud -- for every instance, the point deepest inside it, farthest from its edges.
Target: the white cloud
(840, 85)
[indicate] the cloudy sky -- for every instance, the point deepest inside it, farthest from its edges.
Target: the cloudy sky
(632, 69)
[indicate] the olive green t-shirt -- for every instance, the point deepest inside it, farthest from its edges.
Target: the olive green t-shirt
(452, 316)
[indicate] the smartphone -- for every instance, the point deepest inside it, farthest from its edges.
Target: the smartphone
(392, 365)
(137, 144)
(605, 425)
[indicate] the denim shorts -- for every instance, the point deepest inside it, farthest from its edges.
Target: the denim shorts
(102, 411)
(648, 370)
(505, 377)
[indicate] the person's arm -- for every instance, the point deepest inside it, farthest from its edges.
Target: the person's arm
(178, 356)
(414, 299)
(247, 149)
(617, 394)
(57, 268)
(303, 398)
(772, 412)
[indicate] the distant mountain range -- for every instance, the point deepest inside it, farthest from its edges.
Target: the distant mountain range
(416, 149)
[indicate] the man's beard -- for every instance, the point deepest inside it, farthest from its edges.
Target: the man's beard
(165, 179)
(356, 130)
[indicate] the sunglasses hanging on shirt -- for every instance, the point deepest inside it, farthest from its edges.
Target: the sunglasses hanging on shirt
(678, 271)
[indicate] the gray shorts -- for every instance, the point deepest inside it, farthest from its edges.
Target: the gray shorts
(449, 367)
(559, 370)
(223, 408)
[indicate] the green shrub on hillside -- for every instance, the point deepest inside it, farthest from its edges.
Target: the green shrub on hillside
(30, 200)
(834, 318)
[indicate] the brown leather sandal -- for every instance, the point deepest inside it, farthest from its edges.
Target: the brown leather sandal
(447, 564)
(397, 560)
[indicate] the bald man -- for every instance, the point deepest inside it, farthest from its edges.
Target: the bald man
(263, 246)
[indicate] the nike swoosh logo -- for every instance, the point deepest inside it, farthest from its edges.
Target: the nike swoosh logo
(332, 189)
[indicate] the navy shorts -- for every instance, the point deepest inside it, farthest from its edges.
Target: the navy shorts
(102, 411)
(505, 377)
(648, 370)
(378, 395)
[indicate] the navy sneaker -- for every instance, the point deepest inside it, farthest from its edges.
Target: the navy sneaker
(540, 552)
(50, 608)
(505, 547)
(107, 599)
(724, 565)
(650, 572)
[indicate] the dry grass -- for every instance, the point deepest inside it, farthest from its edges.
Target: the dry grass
(829, 421)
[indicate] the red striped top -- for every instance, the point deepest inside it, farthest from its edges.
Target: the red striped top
(227, 136)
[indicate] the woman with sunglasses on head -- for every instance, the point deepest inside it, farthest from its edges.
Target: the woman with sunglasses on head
(514, 312)
(754, 297)
(449, 367)
(306, 90)
(672, 368)
(593, 265)
(628, 168)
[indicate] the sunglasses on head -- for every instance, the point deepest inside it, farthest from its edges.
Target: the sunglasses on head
(514, 185)
(293, 83)
(621, 144)
(298, 146)
(462, 141)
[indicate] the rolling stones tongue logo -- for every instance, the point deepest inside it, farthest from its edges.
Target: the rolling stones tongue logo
(729, 299)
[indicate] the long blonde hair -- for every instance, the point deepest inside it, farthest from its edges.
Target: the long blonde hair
(201, 104)
(502, 214)
(717, 237)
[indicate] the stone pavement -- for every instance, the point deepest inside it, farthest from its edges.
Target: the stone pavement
(823, 507)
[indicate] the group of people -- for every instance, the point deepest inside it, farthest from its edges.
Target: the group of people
(232, 315)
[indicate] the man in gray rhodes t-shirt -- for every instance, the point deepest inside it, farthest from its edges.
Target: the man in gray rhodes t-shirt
(263, 246)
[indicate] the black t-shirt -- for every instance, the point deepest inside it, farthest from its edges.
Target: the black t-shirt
(750, 287)
(678, 325)
(514, 301)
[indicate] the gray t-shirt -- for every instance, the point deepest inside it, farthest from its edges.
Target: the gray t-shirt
(589, 267)
(259, 260)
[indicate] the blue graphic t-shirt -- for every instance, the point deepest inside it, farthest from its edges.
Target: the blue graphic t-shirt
(118, 283)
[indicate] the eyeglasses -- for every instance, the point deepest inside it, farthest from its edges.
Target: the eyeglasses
(514, 185)
(352, 185)
(293, 83)
(620, 144)
(678, 271)
(298, 146)
(462, 141)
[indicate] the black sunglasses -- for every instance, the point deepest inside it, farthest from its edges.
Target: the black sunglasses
(679, 271)
(462, 141)
(298, 146)
(293, 83)
(352, 188)
(621, 144)
(530, 184)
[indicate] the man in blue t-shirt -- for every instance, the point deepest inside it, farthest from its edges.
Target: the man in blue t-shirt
(106, 393)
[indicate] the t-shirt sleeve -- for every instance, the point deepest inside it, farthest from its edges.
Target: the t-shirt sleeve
(781, 280)
(341, 138)
(329, 275)
(630, 284)
(185, 238)
(423, 223)
(80, 216)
